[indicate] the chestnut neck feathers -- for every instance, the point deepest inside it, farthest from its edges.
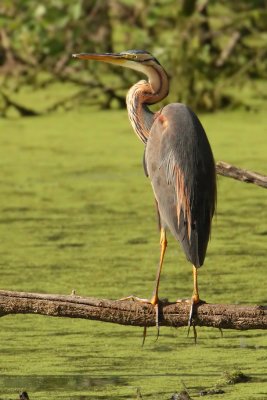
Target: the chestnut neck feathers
(144, 93)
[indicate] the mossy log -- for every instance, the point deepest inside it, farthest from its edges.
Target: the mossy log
(127, 312)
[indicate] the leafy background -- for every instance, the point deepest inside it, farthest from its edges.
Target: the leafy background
(214, 51)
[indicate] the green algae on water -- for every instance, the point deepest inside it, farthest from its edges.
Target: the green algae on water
(77, 212)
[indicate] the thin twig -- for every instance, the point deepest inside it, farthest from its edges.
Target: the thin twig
(230, 171)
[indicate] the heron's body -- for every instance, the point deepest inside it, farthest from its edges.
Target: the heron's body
(178, 160)
(180, 165)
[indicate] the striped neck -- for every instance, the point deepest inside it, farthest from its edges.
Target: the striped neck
(142, 94)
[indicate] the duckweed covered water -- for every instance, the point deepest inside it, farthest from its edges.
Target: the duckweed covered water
(78, 213)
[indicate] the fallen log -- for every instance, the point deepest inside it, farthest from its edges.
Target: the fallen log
(222, 316)
(230, 171)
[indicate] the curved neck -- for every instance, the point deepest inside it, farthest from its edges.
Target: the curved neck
(144, 93)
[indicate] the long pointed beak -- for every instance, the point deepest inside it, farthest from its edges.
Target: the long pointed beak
(111, 58)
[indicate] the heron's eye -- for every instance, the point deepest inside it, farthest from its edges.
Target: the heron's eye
(130, 56)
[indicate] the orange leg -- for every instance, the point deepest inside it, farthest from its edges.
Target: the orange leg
(163, 244)
(195, 297)
(155, 298)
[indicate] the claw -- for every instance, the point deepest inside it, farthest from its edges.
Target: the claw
(190, 318)
(157, 319)
(144, 336)
(157, 325)
(155, 302)
(191, 321)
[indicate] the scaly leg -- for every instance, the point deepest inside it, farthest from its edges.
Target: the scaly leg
(155, 298)
(195, 296)
(194, 300)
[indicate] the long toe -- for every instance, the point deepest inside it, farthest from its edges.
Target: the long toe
(194, 303)
(135, 298)
(191, 320)
(155, 302)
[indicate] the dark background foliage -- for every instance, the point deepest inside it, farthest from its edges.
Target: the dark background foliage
(214, 51)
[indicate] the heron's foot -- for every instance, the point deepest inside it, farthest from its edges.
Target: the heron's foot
(191, 314)
(194, 303)
(195, 300)
(155, 302)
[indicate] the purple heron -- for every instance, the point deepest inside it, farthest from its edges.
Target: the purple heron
(178, 161)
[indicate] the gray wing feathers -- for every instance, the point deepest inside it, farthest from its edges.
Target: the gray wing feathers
(183, 156)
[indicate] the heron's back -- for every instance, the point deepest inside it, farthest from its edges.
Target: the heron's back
(181, 168)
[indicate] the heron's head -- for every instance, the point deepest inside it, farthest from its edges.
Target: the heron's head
(141, 61)
(138, 60)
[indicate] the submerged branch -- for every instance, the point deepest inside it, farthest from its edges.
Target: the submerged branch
(132, 312)
(230, 171)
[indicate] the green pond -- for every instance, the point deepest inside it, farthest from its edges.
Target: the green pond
(78, 213)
